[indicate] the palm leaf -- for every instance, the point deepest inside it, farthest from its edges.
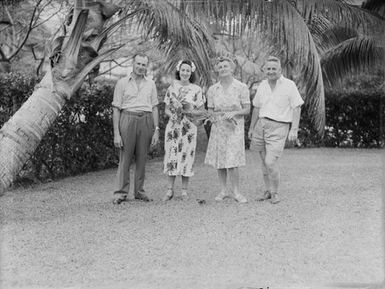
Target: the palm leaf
(339, 12)
(175, 33)
(280, 24)
(375, 6)
(290, 26)
(108, 31)
(353, 55)
(327, 35)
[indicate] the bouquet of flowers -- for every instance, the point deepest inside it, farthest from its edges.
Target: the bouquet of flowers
(176, 107)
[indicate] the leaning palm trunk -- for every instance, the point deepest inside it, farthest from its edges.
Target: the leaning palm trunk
(21, 135)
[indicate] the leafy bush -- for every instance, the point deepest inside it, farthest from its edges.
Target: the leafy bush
(351, 121)
(81, 140)
(355, 114)
(15, 88)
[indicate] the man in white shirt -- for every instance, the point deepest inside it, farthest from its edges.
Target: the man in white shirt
(277, 109)
(135, 121)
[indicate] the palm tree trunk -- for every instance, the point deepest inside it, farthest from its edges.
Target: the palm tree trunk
(21, 135)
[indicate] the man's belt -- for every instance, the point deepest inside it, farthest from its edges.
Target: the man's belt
(284, 122)
(136, 113)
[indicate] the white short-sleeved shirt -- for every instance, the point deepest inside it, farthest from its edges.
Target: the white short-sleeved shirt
(128, 96)
(278, 104)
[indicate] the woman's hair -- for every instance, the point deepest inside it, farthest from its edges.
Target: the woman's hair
(223, 59)
(192, 76)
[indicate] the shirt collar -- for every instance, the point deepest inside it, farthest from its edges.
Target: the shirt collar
(130, 77)
(280, 79)
(233, 83)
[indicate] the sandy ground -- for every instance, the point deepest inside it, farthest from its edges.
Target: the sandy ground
(327, 231)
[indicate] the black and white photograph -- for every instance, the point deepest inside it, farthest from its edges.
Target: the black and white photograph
(192, 144)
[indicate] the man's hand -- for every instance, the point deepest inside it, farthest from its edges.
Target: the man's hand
(250, 134)
(293, 135)
(155, 138)
(118, 143)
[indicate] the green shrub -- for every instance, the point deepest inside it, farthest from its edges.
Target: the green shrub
(15, 88)
(355, 113)
(81, 139)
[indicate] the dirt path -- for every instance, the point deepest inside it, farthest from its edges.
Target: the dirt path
(327, 229)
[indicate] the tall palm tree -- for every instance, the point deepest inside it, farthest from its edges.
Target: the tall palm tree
(77, 53)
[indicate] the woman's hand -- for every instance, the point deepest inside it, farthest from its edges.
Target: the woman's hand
(229, 115)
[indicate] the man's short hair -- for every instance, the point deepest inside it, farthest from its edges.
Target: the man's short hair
(273, 59)
(141, 54)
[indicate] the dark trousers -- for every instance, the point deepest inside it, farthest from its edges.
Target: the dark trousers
(136, 130)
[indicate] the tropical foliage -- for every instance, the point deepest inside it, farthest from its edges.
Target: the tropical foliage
(308, 35)
(80, 139)
(74, 55)
(25, 33)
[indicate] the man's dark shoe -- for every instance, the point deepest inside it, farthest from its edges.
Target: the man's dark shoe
(266, 196)
(120, 197)
(142, 197)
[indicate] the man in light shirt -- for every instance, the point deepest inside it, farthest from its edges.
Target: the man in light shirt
(135, 120)
(277, 109)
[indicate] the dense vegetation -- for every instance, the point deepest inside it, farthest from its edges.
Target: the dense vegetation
(81, 138)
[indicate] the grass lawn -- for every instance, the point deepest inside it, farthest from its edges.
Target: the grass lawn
(327, 230)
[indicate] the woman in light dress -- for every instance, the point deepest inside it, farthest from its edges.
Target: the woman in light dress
(228, 102)
(184, 102)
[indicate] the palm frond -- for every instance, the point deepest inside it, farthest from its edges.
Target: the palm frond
(339, 13)
(74, 41)
(375, 6)
(96, 42)
(91, 65)
(281, 25)
(351, 56)
(327, 35)
(175, 33)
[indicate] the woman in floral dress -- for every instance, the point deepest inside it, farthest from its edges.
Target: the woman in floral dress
(184, 101)
(228, 102)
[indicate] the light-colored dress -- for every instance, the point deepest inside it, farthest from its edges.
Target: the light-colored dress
(226, 147)
(181, 134)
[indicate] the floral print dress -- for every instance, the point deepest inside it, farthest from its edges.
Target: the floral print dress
(226, 147)
(181, 134)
